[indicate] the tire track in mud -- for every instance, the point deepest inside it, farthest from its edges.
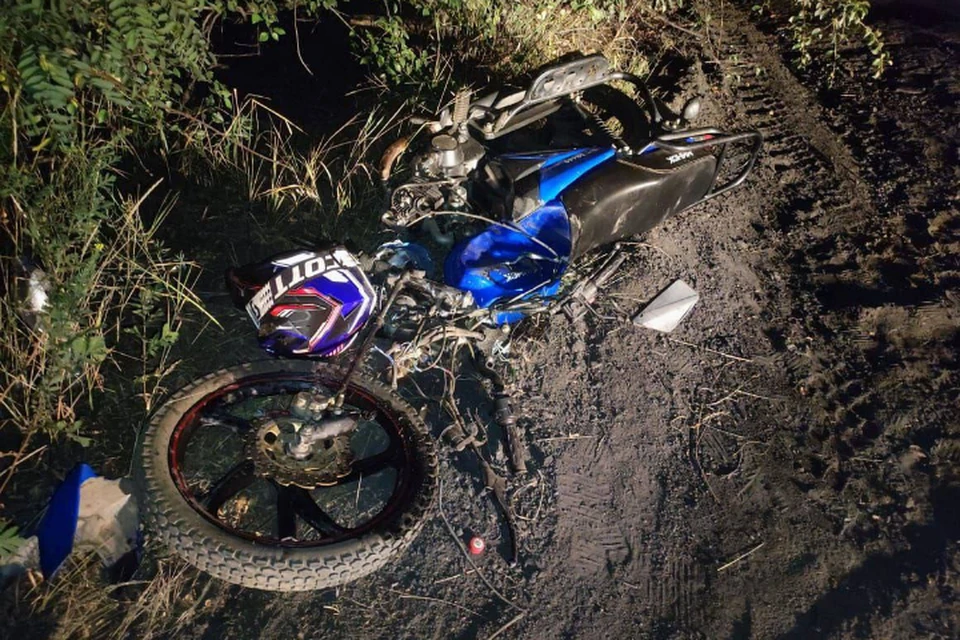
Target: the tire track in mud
(856, 278)
(820, 192)
(660, 577)
(598, 544)
(851, 236)
(668, 587)
(815, 176)
(808, 159)
(594, 542)
(815, 210)
(672, 593)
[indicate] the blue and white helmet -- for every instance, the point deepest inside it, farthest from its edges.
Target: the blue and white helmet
(305, 303)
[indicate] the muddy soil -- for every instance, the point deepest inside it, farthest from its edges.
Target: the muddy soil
(784, 465)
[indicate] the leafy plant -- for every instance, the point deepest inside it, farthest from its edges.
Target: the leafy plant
(10, 539)
(387, 49)
(828, 25)
(82, 84)
(76, 69)
(104, 271)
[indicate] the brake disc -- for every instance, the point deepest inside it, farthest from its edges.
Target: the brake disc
(329, 461)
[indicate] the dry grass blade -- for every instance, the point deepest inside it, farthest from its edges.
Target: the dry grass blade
(80, 605)
(517, 618)
(337, 172)
(740, 558)
(411, 596)
(729, 356)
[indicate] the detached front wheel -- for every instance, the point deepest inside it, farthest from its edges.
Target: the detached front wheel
(231, 484)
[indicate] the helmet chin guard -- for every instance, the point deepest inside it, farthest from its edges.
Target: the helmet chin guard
(305, 303)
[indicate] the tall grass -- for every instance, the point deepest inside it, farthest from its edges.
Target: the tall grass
(115, 297)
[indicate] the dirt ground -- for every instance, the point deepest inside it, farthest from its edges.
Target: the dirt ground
(784, 465)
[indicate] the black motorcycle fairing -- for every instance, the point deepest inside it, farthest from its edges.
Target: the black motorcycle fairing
(624, 198)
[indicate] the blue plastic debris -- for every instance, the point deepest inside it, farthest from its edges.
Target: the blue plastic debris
(59, 524)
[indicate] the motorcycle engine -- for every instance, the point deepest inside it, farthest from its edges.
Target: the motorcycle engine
(440, 180)
(444, 159)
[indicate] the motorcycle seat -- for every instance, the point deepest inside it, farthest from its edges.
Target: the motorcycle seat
(632, 194)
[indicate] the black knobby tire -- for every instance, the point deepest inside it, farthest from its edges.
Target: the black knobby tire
(168, 515)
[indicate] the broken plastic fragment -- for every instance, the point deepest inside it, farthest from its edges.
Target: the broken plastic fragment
(59, 523)
(668, 309)
(88, 512)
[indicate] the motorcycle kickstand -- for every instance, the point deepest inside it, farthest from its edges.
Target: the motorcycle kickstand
(498, 486)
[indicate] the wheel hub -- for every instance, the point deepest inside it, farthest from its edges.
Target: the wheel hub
(328, 461)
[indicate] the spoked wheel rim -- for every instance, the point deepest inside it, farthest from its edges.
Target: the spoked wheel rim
(212, 467)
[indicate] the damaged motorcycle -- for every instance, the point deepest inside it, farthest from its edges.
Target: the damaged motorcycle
(296, 474)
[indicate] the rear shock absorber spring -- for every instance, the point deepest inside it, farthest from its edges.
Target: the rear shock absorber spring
(599, 123)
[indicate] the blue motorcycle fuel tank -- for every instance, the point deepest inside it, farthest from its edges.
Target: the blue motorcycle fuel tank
(524, 256)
